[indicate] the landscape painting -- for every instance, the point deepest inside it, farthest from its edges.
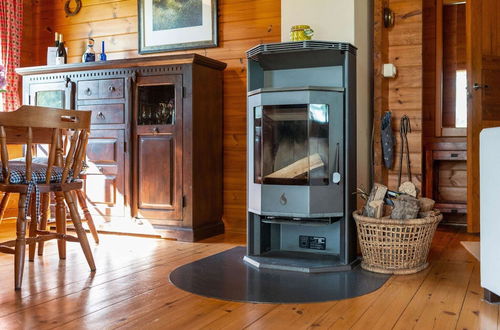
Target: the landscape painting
(175, 14)
(166, 25)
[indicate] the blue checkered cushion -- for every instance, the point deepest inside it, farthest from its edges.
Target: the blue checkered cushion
(39, 171)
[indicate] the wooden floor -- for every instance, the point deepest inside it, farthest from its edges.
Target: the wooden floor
(131, 289)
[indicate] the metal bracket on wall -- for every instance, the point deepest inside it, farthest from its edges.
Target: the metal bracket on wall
(388, 17)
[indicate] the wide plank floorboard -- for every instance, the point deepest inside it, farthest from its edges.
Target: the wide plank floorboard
(131, 290)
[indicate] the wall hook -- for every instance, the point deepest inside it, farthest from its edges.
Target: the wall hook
(388, 17)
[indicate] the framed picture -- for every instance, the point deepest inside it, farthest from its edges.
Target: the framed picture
(166, 25)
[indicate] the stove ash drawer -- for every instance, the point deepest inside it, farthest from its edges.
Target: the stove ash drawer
(301, 202)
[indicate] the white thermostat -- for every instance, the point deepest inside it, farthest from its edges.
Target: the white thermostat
(389, 70)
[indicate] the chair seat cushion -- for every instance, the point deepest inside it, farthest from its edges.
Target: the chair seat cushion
(38, 173)
(45, 160)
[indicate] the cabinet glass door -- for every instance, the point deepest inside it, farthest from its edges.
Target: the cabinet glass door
(53, 95)
(156, 105)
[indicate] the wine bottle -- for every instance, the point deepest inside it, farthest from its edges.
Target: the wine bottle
(89, 55)
(103, 52)
(56, 41)
(61, 56)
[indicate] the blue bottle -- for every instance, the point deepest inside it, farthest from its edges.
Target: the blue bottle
(103, 53)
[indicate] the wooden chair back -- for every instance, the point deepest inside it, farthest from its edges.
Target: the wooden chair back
(31, 125)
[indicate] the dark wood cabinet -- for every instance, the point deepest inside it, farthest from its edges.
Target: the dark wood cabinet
(155, 149)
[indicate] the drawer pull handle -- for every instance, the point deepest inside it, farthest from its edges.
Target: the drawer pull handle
(454, 155)
(155, 130)
(111, 88)
(100, 115)
(88, 91)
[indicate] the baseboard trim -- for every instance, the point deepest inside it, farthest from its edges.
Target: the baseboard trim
(190, 234)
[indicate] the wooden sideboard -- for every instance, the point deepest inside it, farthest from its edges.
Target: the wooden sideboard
(155, 149)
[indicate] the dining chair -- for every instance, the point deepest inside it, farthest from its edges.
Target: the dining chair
(31, 125)
(45, 203)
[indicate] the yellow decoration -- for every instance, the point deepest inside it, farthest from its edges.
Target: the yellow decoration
(301, 32)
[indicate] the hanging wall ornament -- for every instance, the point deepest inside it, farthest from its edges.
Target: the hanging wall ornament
(74, 11)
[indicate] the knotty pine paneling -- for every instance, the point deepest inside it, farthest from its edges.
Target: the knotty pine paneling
(402, 46)
(242, 25)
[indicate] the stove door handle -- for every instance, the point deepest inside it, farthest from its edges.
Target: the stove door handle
(336, 176)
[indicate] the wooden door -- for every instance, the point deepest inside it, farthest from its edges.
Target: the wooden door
(158, 149)
(483, 61)
(105, 182)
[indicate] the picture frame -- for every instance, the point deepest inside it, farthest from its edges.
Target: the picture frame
(168, 25)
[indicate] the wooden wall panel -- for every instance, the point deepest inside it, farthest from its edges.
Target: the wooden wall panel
(242, 25)
(402, 46)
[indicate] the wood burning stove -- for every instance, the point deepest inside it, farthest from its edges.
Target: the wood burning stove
(301, 156)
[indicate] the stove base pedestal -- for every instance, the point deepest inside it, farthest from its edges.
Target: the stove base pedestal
(299, 262)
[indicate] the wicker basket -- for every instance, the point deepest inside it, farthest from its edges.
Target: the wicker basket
(396, 246)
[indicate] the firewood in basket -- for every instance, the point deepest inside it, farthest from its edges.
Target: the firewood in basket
(376, 209)
(377, 194)
(405, 207)
(426, 204)
(298, 168)
(408, 188)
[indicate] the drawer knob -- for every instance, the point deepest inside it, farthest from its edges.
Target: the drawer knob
(100, 115)
(155, 130)
(111, 88)
(100, 168)
(88, 91)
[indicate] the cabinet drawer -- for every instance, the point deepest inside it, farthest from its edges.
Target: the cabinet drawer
(106, 113)
(100, 89)
(450, 155)
(111, 89)
(88, 90)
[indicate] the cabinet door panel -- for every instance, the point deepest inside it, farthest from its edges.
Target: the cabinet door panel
(105, 184)
(158, 149)
(156, 155)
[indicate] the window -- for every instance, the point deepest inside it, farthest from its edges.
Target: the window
(461, 99)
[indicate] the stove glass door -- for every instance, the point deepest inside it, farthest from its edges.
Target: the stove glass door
(291, 144)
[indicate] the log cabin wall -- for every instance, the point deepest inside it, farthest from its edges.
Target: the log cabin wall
(242, 25)
(402, 46)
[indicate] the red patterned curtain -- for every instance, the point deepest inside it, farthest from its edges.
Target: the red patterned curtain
(11, 33)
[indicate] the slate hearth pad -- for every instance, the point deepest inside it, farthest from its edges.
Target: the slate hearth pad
(226, 276)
